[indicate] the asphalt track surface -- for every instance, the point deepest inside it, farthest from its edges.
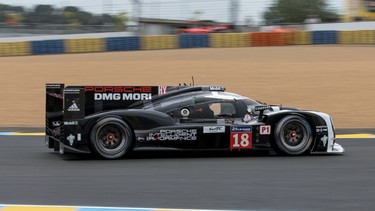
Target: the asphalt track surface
(32, 174)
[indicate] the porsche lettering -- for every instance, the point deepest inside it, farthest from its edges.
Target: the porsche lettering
(174, 135)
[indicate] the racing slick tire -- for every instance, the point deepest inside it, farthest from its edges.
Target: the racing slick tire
(111, 138)
(293, 136)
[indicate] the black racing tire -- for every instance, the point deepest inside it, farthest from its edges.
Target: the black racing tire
(111, 138)
(293, 136)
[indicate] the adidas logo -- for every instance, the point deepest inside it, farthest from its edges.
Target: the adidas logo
(74, 107)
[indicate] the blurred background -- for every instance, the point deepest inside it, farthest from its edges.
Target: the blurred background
(155, 17)
(220, 38)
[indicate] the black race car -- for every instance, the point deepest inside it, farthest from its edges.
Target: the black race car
(110, 121)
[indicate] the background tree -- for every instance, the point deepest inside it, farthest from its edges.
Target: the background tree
(120, 20)
(12, 18)
(297, 11)
(70, 15)
(5, 10)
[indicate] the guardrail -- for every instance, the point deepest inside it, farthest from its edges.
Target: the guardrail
(217, 40)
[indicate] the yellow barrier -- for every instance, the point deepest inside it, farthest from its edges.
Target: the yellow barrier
(357, 37)
(346, 37)
(229, 40)
(15, 48)
(301, 38)
(365, 37)
(84, 45)
(159, 42)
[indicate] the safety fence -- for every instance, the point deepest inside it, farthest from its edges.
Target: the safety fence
(216, 40)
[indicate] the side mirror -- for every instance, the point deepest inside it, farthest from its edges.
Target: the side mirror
(261, 110)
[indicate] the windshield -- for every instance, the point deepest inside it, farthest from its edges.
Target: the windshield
(251, 103)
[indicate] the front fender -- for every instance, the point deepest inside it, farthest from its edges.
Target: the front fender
(321, 125)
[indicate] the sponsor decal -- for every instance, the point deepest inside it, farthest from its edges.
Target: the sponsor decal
(56, 123)
(217, 88)
(265, 130)
(122, 96)
(71, 123)
(71, 138)
(119, 89)
(54, 86)
(262, 108)
(163, 90)
(214, 129)
(240, 129)
(71, 91)
(321, 129)
(324, 139)
(74, 107)
(241, 138)
(173, 135)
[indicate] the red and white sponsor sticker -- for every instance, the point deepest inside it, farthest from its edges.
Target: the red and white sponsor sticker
(241, 138)
(163, 90)
(265, 130)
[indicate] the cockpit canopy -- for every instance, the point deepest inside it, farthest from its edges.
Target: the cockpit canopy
(205, 104)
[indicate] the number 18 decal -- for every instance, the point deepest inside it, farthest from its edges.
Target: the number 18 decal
(241, 138)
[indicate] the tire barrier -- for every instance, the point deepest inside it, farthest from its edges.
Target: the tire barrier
(47, 47)
(15, 49)
(271, 38)
(229, 40)
(215, 40)
(14, 207)
(301, 38)
(84, 45)
(123, 43)
(324, 37)
(159, 42)
(194, 40)
(357, 37)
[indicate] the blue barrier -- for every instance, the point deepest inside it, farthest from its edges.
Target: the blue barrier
(123, 43)
(324, 37)
(194, 40)
(47, 47)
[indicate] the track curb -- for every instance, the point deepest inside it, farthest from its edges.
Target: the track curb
(12, 207)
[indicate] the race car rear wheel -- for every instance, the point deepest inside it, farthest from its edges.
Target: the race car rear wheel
(293, 135)
(111, 138)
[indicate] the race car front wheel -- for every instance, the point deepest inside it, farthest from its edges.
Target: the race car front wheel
(293, 135)
(111, 138)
